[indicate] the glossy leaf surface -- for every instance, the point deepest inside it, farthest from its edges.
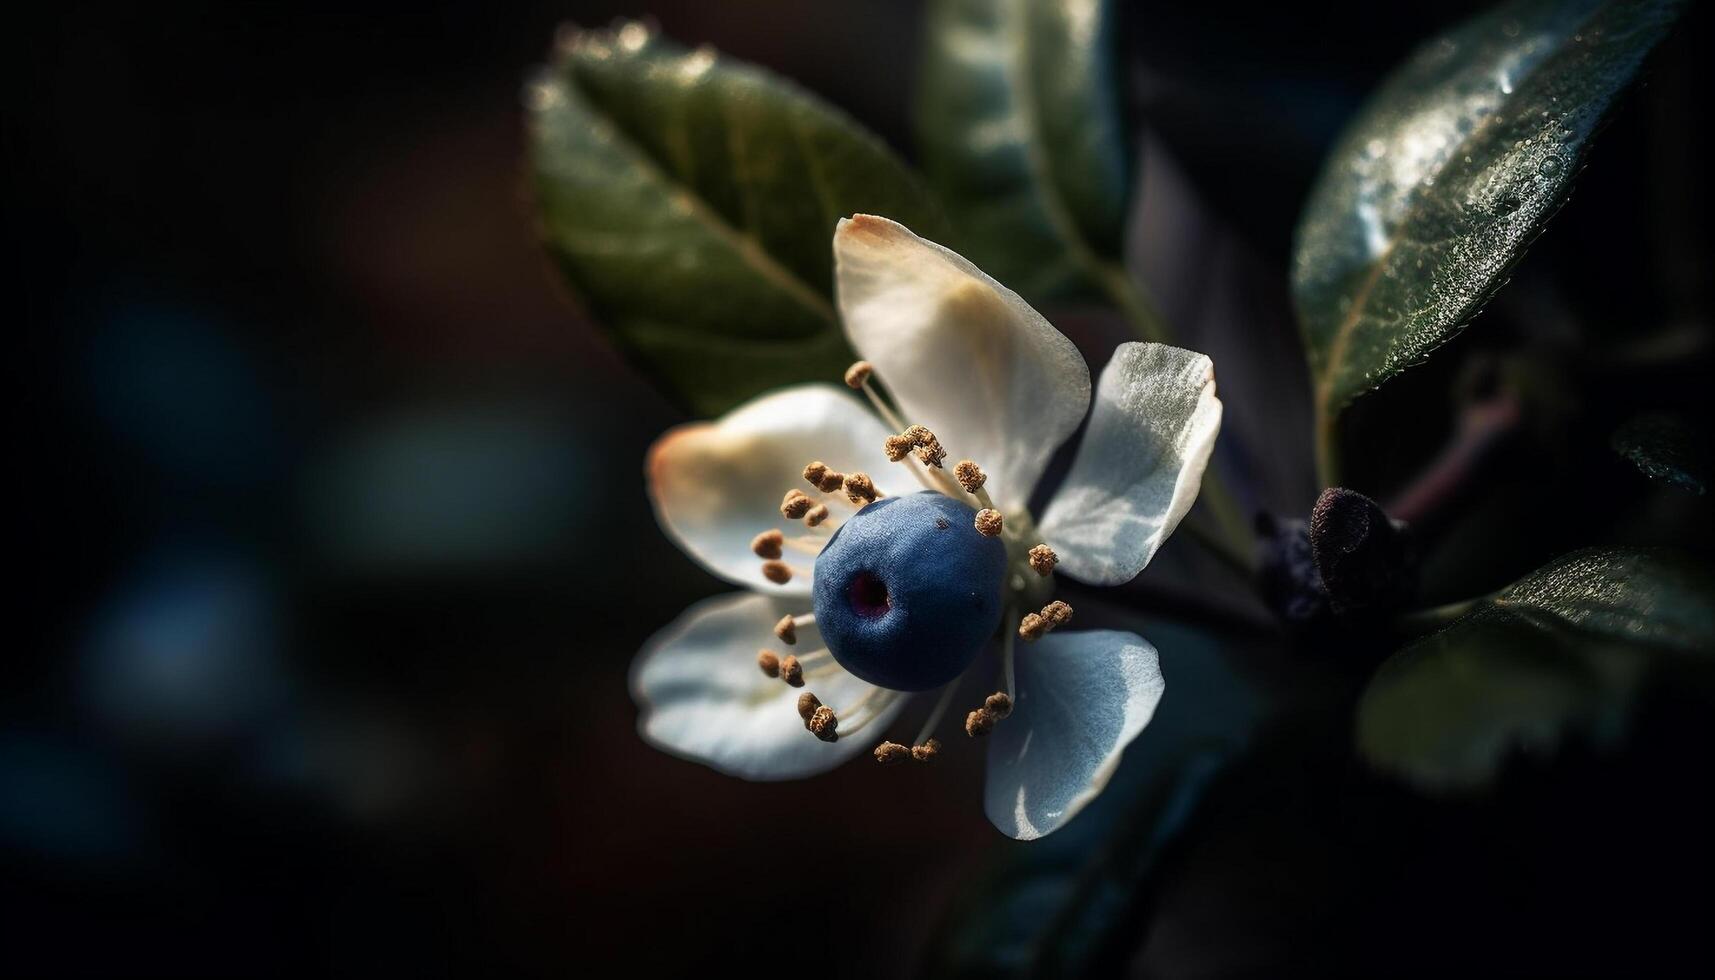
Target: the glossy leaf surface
(1022, 131)
(1448, 173)
(1563, 650)
(691, 201)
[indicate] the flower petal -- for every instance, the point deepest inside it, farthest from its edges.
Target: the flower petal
(717, 485)
(961, 353)
(703, 698)
(1082, 697)
(1140, 465)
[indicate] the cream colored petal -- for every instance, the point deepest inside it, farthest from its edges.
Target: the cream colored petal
(716, 485)
(703, 698)
(961, 353)
(1140, 465)
(1082, 697)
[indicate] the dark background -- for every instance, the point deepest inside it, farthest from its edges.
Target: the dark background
(333, 549)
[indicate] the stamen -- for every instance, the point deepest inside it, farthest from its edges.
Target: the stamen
(807, 705)
(927, 751)
(890, 753)
(970, 476)
(928, 447)
(1034, 625)
(860, 489)
(822, 478)
(979, 723)
(828, 669)
(1043, 559)
(795, 504)
(858, 374)
(787, 628)
(875, 710)
(791, 671)
(982, 721)
(988, 522)
(767, 544)
(898, 448)
(935, 715)
(824, 724)
(777, 572)
(804, 545)
(769, 661)
(816, 515)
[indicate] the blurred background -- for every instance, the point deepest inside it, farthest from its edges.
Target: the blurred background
(335, 550)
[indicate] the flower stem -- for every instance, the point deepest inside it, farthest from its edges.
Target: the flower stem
(1327, 447)
(1435, 617)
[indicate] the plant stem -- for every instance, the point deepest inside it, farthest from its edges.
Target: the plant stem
(1435, 617)
(1327, 448)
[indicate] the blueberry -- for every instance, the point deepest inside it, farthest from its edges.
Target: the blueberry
(907, 591)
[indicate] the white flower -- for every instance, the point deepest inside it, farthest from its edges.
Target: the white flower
(994, 383)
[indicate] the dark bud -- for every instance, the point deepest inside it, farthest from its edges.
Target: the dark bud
(1286, 572)
(1363, 557)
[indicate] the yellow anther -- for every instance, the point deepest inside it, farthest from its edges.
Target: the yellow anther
(988, 522)
(1058, 612)
(816, 515)
(769, 661)
(970, 476)
(786, 630)
(795, 504)
(1043, 559)
(928, 447)
(927, 751)
(998, 705)
(860, 489)
(979, 723)
(777, 572)
(1033, 625)
(791, 671)
(824, 725)
(807, 705)
(858, 374)
(767, 544)
(888, 753)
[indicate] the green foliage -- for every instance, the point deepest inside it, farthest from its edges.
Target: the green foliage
(691, 200)
(1450, 171)
(1565, 649)
(1023, 134)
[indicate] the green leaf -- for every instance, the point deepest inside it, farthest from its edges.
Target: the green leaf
(1448, 173)
(1020, 121)
(1664, 448)
(1563, 650)
(691, 200)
